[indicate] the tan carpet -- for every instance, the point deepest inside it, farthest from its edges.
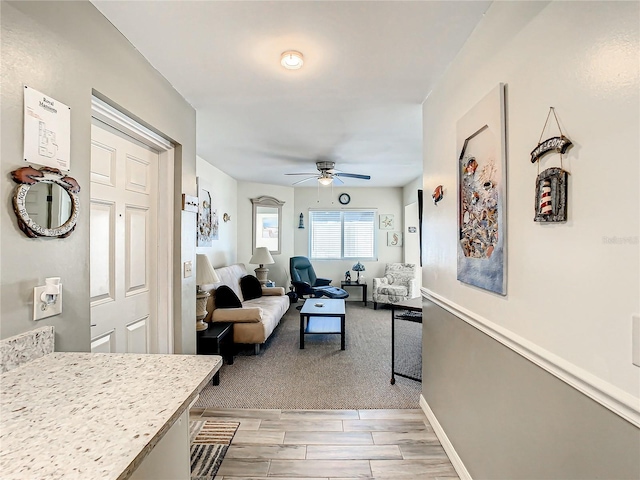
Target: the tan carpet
(321, 376)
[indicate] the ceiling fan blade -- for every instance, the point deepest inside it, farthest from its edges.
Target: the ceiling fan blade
(353, 175)
(304, 180)
(301, 173)
(337, 181)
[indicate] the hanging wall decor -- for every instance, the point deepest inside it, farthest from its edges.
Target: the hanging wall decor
(207, 217)
(482, 201)
(437, 194)
(551, 184)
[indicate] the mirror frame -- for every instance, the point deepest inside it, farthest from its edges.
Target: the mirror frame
(26, 177)
(266, 201)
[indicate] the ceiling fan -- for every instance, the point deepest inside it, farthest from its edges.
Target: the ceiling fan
(328, 174)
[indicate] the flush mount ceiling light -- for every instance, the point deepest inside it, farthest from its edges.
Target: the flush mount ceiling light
(291, 60)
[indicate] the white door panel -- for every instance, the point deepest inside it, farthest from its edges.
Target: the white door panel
(105, 343)
(124, 183)
(102, 220)
(137, 336)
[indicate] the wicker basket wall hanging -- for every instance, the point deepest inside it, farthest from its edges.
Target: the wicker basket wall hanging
(551, 184)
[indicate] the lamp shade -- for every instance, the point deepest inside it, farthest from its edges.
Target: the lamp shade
(358, 267)
(262, 257)
(205, 274)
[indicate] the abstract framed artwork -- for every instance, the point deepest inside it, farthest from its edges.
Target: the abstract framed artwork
(207, 216)
(482, 201)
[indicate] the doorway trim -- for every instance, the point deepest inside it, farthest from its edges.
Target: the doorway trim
(161, 330)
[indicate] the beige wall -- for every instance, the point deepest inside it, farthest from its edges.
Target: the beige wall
(224, 193)
(67, 50)
(571, 291)
(384, 200)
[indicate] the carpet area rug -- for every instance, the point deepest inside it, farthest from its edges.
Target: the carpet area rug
(210, 441)
(321, 376)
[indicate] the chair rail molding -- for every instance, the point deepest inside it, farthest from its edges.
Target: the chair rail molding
(615, 399)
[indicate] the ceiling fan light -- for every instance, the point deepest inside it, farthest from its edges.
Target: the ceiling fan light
(325, 180)
(291, 60)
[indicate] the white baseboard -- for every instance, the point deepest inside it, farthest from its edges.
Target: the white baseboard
(456, 461)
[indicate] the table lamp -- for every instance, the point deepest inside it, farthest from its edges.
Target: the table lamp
(358, 267)
(205, 275)
(262, 257)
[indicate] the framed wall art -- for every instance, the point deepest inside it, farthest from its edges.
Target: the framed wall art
(386, 221)
(207, 216)
(394, 239)
(481, 143)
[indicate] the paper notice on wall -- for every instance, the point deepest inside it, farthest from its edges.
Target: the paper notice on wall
(47, 130)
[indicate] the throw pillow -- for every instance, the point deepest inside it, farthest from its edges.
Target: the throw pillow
(251, 287)
(227, 298)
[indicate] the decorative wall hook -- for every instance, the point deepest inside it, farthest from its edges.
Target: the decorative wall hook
(226, 217)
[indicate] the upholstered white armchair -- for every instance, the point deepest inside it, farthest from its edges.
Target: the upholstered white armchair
(397, 285)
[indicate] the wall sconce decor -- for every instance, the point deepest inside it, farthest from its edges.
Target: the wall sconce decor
(226, 217)
(301, 223)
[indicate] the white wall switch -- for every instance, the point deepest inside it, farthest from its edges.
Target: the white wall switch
(188, 269)
(635, 335)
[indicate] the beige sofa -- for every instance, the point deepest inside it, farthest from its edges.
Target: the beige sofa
(254, 322)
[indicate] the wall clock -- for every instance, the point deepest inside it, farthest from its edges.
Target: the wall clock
(344, 198)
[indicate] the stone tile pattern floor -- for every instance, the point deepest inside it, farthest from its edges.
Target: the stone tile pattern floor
(330, 445)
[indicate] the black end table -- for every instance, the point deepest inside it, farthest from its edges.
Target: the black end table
(216, 340)
(362, 285)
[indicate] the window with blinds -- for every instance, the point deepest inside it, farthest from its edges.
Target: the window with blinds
(342, 234)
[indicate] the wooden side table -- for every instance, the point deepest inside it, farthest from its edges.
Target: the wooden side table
(362, 285)
(216, 340)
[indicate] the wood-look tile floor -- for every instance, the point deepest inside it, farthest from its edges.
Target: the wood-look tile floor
(331, 445)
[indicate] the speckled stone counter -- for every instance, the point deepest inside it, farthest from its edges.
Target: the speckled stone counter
(83, 415)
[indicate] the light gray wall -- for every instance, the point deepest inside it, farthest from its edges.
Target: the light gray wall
(386, 200)
(224, 193)
(570, 293)
(67, 50)
(510, 419)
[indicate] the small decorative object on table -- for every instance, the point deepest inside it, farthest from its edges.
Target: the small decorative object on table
(358, 267)
(347, 276)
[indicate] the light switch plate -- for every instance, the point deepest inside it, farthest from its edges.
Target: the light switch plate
(51, 310)
(188, 269)
(635, 335)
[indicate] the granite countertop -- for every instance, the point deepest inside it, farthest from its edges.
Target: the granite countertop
(84, 415)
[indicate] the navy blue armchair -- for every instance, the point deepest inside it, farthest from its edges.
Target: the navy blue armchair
(305, 281)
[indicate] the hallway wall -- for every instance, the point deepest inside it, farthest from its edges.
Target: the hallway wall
(572, 287)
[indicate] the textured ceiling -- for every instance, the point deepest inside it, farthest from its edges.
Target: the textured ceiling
(356, 101)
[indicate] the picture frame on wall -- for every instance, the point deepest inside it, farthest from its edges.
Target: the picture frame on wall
(386, 222)
(482, 202)
(207, 224)
(394, 239)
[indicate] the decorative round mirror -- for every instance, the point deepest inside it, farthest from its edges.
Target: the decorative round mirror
(45, 202)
